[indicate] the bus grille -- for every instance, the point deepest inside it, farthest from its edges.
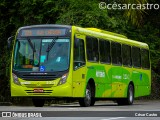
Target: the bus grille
(45, 92)
(42, 85)
(40, 77)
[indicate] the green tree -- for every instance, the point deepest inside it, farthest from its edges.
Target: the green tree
(136, 16)
(17, 13)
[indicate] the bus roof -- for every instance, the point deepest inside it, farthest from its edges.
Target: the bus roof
(107, 32)
(110, 36)
(95, 33)
(45, 25)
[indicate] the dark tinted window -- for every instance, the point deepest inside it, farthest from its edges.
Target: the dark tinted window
(116, 53)
(79, 53)
(136, 57)
(145, 58)
(92, 49)
(104, 47)
(126, 55)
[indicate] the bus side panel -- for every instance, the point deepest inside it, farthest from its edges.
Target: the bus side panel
(79, 82)
(141, 79)
(121, 77)
(146, 81)
(117, 84)
(108, 81)
(126, 79)
(136, 78)
(91, 74)
(98, 74)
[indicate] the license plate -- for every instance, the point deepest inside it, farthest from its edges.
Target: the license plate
(38, 90)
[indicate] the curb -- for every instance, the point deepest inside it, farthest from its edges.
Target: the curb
(5, 103)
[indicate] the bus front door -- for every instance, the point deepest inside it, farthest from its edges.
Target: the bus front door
(79, 66)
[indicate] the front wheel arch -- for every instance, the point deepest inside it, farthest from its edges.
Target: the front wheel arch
(93, 89)
(86, 100)
(90, 88)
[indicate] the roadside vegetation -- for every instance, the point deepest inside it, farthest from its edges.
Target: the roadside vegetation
(140, 25)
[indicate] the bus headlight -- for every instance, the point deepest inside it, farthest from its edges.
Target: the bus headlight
(15, 79)
(63, 79)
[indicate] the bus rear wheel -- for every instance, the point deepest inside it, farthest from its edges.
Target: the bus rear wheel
(92, 101)
(130, 97)
(38, 102)
(86, 101)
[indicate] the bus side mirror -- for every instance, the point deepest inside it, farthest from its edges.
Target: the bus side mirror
(10, 39)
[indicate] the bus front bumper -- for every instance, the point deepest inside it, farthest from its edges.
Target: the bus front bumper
(64, 90)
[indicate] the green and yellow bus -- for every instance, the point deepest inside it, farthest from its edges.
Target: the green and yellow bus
(86, 64)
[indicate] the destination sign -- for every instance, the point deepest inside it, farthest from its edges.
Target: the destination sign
(43, 32)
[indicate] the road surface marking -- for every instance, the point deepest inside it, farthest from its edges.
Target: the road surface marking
(72, 108)
(114, 118)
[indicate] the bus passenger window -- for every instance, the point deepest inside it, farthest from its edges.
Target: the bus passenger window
(126, 55)
(104, 47)
(116, 53)
(136, 57)
(92, 49)
(79, 53)
(145, 59)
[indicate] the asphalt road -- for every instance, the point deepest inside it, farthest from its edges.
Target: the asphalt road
(103, 110)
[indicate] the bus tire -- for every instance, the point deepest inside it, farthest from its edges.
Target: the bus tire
(130, 97)
(93, 101)
(93, 96)
(38, 102)
(86, 101)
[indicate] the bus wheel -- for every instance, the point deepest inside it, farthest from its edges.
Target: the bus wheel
(86, 101)
(130, 97)
(93, 101)
(38, 102)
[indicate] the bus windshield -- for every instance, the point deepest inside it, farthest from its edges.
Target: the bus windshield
(42, 55)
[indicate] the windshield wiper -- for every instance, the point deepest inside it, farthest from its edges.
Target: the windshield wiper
(32, 46)
(30, 43)
(51, 44)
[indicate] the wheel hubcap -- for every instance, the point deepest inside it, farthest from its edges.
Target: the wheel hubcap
(88, 96)
(130, 95)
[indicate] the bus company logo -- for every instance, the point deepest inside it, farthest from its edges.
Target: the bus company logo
(38, 84)
(6, 114)
(100, 74)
